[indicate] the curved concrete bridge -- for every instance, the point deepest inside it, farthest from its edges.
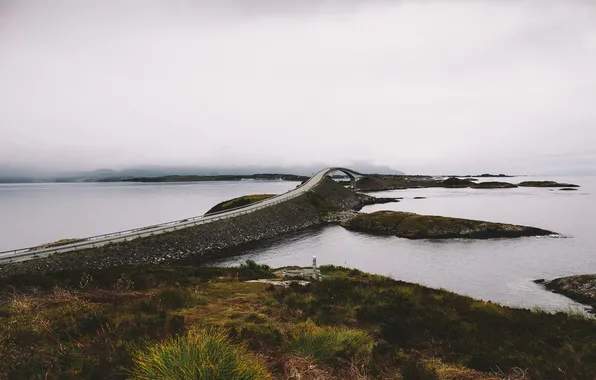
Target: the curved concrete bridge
(121, 236)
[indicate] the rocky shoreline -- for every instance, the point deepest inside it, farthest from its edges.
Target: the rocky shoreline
(580, 288)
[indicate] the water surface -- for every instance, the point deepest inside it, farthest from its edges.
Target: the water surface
(501, 270)
(32, 214)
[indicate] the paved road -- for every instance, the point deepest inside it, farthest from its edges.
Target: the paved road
(121, 236)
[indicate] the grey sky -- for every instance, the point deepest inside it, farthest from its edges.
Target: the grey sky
(422, 86)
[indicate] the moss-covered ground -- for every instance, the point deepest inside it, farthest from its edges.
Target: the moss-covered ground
(127, 322)
(238, 202)
(414, 226)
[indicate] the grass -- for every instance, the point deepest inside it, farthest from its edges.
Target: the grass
(321, 204)
(379, 221)
(206, 354)
(57, 243)
(131, 321)
(238, 202)
(330, 344)
(414, 226)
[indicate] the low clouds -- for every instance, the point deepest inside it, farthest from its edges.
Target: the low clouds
(421, 86)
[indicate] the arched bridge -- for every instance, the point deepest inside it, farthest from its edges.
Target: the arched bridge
(354, 176)
(120, 236)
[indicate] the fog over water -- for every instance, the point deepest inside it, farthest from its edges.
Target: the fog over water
(422, 86)
(430, 87)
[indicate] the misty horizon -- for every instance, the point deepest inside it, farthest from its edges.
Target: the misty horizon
(434, 87)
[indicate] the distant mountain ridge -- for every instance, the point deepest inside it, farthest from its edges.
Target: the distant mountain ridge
(13, 174)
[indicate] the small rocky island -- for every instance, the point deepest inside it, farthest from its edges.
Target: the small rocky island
(414, 226)
(546, 184)
(493, 185)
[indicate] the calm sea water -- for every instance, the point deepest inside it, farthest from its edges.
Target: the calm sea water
(32, 214)
(500, 270)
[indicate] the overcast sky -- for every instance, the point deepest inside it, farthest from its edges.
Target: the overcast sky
(439, 86)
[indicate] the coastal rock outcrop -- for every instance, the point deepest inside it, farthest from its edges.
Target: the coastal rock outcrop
(581, 288)
(367, 200)
(386, 182)
(545, 184)
(414, 226)
(494, 185)
(456, 183)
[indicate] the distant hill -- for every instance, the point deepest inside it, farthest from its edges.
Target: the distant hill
(15, 174)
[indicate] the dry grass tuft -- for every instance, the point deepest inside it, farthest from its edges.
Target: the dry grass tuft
(301, 368)
(202, 354)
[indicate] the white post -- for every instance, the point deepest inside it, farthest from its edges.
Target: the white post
(315, 274)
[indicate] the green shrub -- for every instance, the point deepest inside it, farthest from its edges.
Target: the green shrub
(259, 336)
(252, 265)
(327, 344)
(172, 299)
(238, 202)
(251, 270)
(201, 354)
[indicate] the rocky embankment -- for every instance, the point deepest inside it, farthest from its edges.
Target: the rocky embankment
(414, 226)
(329, 202)
(581, 288)
(325, 203)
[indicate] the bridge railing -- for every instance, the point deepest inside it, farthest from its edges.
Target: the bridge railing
(157, 229)
(125, 235)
